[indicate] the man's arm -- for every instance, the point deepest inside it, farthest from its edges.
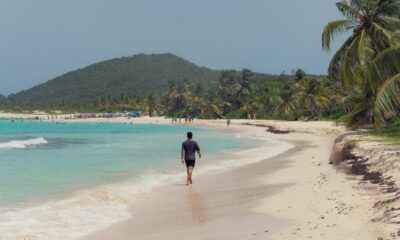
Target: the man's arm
(197, 148)
(182, 155)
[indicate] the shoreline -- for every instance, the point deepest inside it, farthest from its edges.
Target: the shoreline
(311, 198)
(215, 207)
(107, 196)
(300, 197)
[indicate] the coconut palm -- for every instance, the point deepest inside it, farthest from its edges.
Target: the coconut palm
(176, 97)
(241, 88)
(151, 104)
(213, 105)
(283, 101)
(254, 102)
(311, 96)
(373, 24)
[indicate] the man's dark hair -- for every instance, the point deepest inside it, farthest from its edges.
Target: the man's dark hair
(189, 135)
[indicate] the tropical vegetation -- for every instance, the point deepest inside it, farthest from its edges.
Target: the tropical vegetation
(367, 65)
(173, 86)
(235, 94)
(240, 95)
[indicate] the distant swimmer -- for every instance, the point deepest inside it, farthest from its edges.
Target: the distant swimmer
(188, 155)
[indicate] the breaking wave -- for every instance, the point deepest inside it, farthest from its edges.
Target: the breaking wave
(22, 143)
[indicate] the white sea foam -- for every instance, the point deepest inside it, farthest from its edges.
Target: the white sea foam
(93, 209)
(82, 213)
(22, 143)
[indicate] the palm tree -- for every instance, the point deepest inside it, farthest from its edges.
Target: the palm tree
(252, 106)
(283, 101)
(242, 88)
(228, 87)
(151, 104)
(373, 24)
(311, 96)
(212, 104)
(175, 97)
(299, 75)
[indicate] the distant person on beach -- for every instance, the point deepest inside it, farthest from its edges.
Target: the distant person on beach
(228, 122)
(188, 155)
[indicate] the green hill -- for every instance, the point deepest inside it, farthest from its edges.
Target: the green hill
(3, 100)
(136, 75)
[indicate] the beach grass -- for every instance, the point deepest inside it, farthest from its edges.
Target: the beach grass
(389, 135)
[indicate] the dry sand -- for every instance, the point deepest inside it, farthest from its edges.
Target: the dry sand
(296, 195)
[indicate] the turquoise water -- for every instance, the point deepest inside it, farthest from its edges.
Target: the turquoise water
(39, 160)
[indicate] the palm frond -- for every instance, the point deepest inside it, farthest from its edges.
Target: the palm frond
(347, 10)
(356, 4)
(391, 23)
(356, 118)
(350, 61)
(395, 40)
(388, 7)
(384, 65)
(334, 28)
(337, 60)
(387, 100)
(364, 51)
(385, 33)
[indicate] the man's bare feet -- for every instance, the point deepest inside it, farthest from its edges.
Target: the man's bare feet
(187, 183)
(191, 181)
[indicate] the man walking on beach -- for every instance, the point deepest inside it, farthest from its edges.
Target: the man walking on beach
(188, 155)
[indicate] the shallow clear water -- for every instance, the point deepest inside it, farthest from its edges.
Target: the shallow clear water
(39, 160)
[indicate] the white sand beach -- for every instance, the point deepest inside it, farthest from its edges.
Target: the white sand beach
(294, 195)
(99, 102)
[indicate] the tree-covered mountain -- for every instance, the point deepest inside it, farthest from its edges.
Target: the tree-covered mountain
(3, 100)
(168, 85)
(137, 75)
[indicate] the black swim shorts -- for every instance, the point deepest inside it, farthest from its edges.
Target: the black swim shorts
(190, 163)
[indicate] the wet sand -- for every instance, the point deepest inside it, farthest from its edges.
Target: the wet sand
(214, 207)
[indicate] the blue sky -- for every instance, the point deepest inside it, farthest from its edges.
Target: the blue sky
(42, 39)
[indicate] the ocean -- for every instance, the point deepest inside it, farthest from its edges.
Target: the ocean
(40, 160)
(66, 180)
